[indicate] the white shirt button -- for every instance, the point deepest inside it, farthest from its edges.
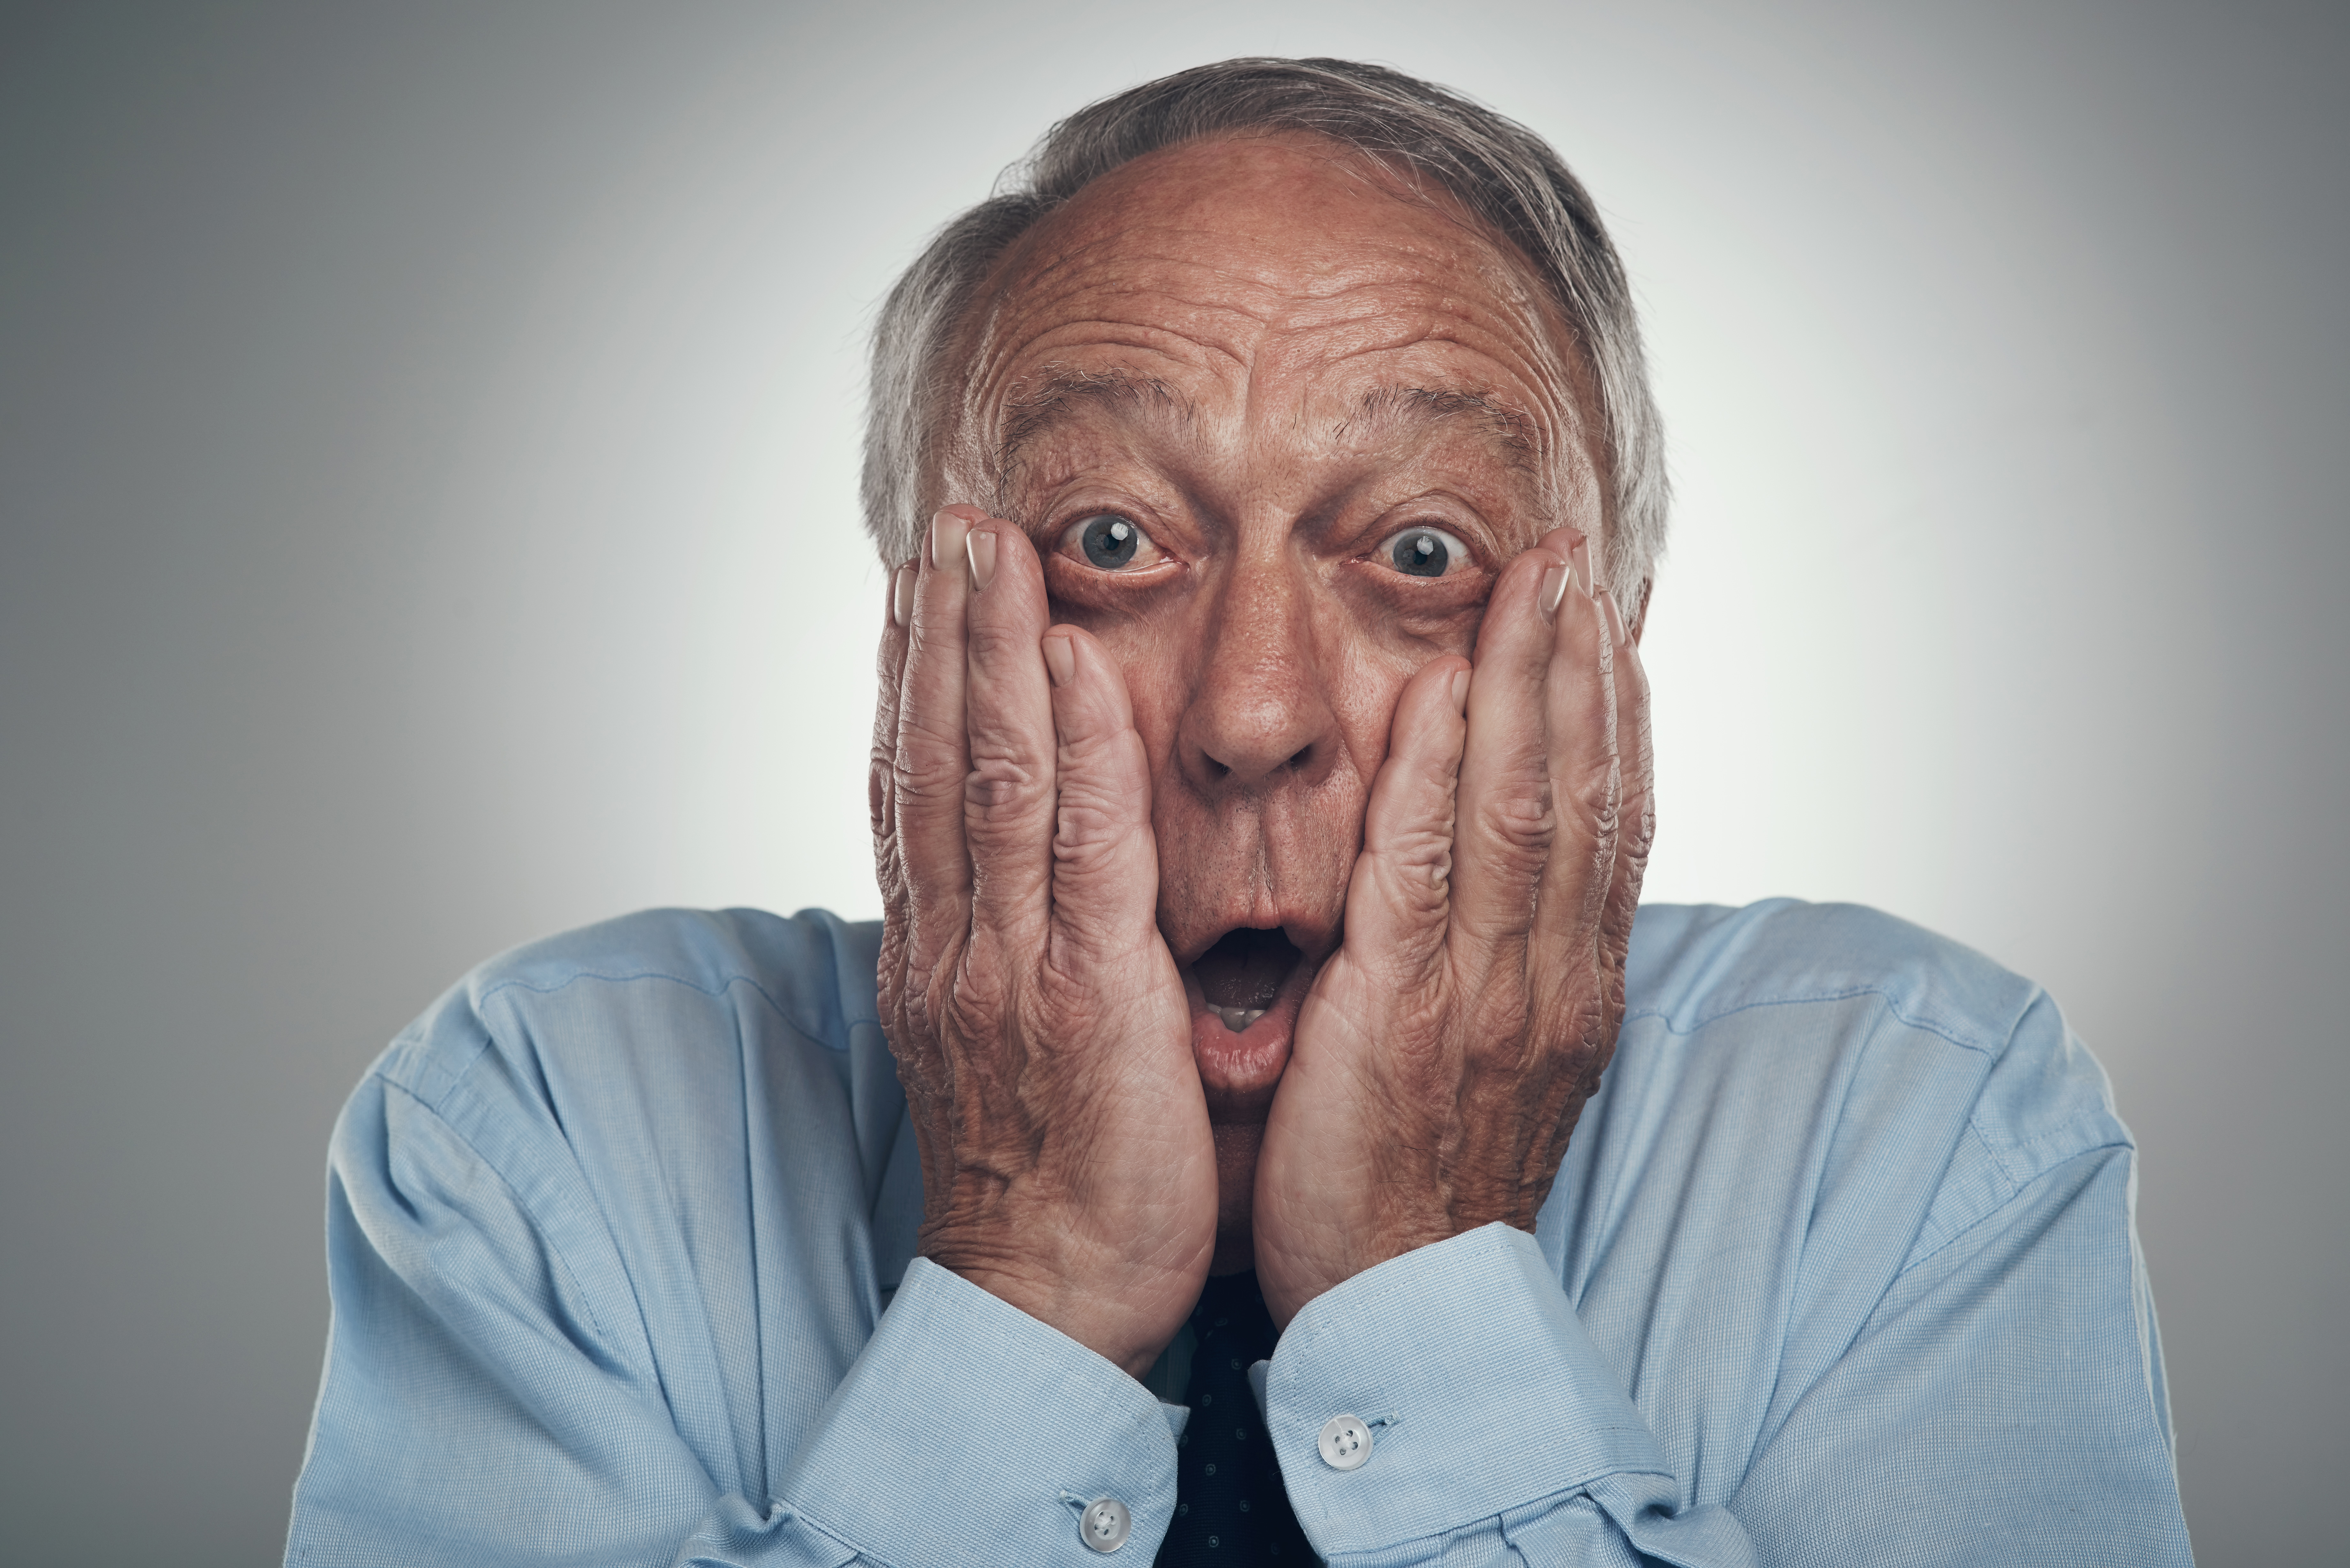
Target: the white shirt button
(1105, 1524)
(1345, 1442)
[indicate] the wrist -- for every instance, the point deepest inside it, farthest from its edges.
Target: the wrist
(1124, 1315)
(1291, 1280)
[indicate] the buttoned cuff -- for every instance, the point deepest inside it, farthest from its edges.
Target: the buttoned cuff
(1479, 1390)
(967, 1431)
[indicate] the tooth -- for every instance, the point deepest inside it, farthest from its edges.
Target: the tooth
(1239, 1018)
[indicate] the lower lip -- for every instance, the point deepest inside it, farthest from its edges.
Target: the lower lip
(1240, 1071)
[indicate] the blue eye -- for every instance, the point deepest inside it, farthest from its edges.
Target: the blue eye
(1424, 552)
(1108, 541)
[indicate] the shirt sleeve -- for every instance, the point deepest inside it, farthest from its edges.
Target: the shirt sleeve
(480, 1405)
(1497, 1432)
(2001, 1404)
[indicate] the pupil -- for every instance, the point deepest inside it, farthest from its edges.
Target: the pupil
(1108, 542)
(1421, 555)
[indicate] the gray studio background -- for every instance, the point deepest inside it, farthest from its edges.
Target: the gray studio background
(427, 522)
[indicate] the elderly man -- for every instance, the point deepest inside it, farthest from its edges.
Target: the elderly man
(1208, 1155)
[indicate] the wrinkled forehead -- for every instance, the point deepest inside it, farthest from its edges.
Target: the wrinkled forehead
(1273, 280)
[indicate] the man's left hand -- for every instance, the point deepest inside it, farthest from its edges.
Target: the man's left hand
(1448, 1048)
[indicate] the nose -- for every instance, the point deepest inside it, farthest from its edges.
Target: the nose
(1258, 714)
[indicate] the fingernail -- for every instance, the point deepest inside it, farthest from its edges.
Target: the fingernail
(1579, 560)
(1060, 661)
(1614, 617)
(1554, 588)
(980, 546)
(947, 531)
(1460, 692)
(901, 594)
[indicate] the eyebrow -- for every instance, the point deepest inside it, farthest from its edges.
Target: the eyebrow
(1511, 431)
(1062, 395)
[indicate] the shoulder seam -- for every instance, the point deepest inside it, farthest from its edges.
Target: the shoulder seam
(519, 983)
(2001, 1149)
(1891, 1006)
(2017, 1189)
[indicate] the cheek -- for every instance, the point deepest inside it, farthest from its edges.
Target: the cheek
(1151, 652)
(1370, 645)
(1363, 699)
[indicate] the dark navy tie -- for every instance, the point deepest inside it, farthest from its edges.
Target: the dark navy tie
(1230, 1505)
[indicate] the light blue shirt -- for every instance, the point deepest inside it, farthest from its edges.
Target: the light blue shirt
(1840, 1269)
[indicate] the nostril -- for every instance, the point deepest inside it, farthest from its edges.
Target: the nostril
(1298, 761)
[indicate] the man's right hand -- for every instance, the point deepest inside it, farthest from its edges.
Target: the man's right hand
(1040, 1027)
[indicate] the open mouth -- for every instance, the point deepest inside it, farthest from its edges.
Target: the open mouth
(1244, 992)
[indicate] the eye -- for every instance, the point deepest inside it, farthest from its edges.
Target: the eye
(1109, 542)
(1424, 552)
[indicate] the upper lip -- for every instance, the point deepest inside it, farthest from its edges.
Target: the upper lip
(1313, 936)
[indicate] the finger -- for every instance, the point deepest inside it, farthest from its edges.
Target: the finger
(1506, 819)
(1586, 779)
(881, 773)
(1105, 858)
(1635, 754)
(1008, 797)
(933, 756)
(1400, 896)
(927, 1075)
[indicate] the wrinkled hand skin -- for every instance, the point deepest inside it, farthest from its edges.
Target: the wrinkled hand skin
(1448, 1048)
(1043, 1035)
(1040, 1025)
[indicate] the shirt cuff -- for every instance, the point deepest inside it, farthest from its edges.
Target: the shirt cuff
(1480, 1390)
(967, 1431)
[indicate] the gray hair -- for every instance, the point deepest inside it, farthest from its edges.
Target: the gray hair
(1496, 168)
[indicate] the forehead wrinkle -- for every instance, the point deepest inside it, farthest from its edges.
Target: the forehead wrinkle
(1242, 304)
(1113, 275)
(1519, 342)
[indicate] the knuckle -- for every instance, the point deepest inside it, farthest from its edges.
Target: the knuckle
(1416, 870)
(1087, 753)
(881, 802)
(1598, 792)
(1520, 823)
(1636, 835)
(949, 999)
(934, 636)
(929, 760)
(1086, 829)
(973, 1001)
(1098, 809)
(987, 642)
(999, 791)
